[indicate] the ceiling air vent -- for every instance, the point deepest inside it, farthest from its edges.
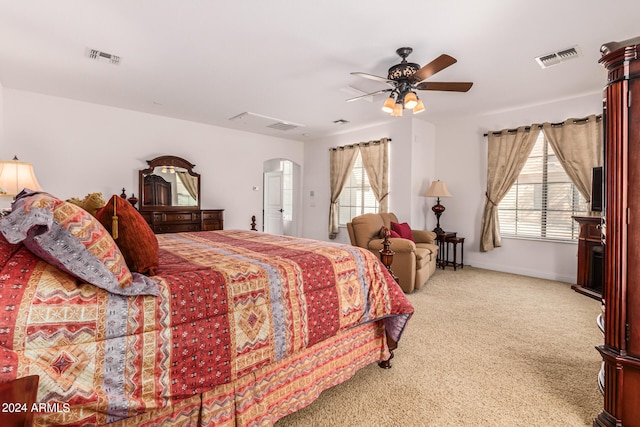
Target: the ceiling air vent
(104, 57)
(258, 122)
(554, 58)
(282, 126)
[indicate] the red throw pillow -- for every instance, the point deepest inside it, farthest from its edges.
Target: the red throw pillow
(136, 240)
(404, 230)
(393, 234)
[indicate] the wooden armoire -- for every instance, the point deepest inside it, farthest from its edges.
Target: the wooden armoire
(621, 236)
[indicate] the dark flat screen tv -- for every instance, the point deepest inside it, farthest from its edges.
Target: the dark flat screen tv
(597, 186)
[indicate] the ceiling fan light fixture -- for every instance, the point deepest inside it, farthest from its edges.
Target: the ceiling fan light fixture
(406, 78)
(389, 104)
(397, 110)
(410, 100)
(419, 108)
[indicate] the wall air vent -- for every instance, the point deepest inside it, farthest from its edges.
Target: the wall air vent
(554, 58)
(104, 57)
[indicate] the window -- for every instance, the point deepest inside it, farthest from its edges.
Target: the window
(184, 198)
(357, 197)
(541, 203)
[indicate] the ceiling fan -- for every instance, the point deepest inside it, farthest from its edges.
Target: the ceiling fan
(407, 77)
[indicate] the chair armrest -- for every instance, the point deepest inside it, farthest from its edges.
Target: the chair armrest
(398, 245)
(423, 236)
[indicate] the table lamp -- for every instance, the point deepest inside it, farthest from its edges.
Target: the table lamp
(438, 189)
(14, 177)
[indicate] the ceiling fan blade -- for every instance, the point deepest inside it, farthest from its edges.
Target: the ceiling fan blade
(372, 77)
(445, 86)
(440, 63)
(369, 94)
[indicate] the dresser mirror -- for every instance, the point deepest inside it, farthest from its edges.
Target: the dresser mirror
(169, 183)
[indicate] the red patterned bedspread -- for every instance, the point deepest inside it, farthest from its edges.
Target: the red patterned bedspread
(231, 302)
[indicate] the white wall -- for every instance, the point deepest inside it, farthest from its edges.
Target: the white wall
(423, 166)
(461, 151)
(412, 164)
(1, 118)
(77, 148)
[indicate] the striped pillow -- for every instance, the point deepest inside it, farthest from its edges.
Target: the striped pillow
(69, 238)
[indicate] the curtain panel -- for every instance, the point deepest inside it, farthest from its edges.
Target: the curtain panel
(190, 183)
(508, 151)
(341, 160)
(579, 147)
(375, 159)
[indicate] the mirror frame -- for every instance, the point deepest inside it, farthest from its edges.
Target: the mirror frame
(174, 161)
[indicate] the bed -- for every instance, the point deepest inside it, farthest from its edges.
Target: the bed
(232, 328)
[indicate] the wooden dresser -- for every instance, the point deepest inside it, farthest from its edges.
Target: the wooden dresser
(174, 221)
(621, 348)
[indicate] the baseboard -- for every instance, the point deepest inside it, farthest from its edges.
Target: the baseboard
(525, 272)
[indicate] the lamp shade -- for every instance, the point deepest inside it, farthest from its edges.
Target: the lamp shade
(419, 107)
(410, 100)
(388, 105)
(16, 175)
(438, 189)
(397, 110)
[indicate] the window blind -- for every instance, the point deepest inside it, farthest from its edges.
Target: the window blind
(357, 196)
(542, 201)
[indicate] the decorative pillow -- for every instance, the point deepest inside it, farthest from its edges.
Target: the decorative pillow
(134, 237)
(393, 234)
(404, 230)
(91, 202)
(69, 238)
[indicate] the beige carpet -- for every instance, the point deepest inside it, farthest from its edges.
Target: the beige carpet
(482, 349)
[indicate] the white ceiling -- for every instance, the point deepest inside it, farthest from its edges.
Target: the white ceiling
(208, 61)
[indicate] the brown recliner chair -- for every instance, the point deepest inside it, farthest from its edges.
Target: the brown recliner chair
(413, 263)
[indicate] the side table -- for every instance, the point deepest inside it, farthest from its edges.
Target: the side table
(443, 248)
(455, 241)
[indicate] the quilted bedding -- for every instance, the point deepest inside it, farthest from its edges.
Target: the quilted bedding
(231, 303)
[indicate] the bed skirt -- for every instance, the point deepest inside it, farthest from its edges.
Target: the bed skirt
(264, 396)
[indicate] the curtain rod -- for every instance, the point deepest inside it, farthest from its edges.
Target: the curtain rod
(355, 145)
(527, 128)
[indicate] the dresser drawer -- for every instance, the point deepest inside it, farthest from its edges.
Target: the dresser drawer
(176, 228)
(212, 220)
(212, 226)
(212, 215)
(184, 220)
(174, 217)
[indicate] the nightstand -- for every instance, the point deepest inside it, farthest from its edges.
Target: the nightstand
(443, 247)
(446, 240)
(455, 241)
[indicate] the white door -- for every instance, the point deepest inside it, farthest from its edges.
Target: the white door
(273, 203)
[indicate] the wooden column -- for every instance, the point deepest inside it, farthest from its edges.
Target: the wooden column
(621, 349)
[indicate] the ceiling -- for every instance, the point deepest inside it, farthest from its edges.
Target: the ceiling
(290, 61)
